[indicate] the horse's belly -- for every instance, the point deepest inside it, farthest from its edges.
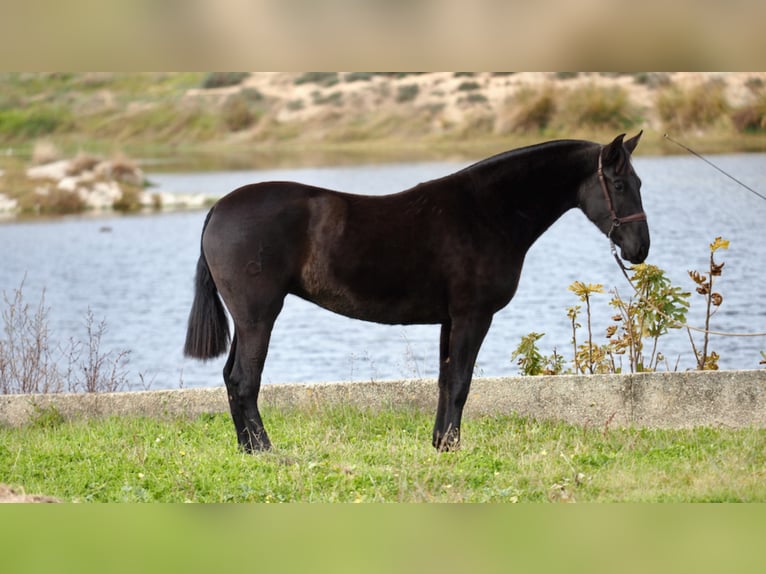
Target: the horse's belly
(358, 272)
(396, 314)
(389, 306)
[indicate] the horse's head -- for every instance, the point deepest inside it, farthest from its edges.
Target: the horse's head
(611, 199)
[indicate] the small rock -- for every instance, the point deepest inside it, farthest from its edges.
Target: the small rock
(56, 170)
(69, 183)
(8, 494)
(101, 195)
(7, 204)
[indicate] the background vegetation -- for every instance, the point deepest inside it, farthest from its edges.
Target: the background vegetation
(163, 112)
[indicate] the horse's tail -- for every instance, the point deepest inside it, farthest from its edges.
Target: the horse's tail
(207, 334)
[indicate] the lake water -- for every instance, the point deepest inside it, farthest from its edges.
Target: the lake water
(138, 277)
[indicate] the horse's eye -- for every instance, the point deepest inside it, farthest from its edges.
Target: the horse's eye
(619, 185)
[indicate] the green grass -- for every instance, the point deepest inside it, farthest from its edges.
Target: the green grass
(353, 455)
(140, 108)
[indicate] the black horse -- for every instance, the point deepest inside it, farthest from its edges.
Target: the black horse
(447, 251)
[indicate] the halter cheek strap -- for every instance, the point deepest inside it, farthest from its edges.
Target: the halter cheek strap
(616, 220)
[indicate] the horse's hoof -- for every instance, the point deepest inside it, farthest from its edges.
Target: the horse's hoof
(448, 443)
(256, 445)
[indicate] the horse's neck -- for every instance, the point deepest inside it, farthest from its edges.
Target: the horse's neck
(529, 192)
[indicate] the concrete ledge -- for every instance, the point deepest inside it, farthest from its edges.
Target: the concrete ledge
(659, 400)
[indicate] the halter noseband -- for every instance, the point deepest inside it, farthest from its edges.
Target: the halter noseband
(616, 220)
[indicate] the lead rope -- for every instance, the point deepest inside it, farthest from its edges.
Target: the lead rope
(710, 163)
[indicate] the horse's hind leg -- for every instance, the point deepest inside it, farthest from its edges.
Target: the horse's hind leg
(244, 381)
(231, 391)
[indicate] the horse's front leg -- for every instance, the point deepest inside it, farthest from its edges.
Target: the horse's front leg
(458, 349)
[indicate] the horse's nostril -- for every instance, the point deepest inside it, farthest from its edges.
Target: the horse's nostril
(641, 255)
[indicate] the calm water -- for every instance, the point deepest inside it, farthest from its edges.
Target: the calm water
(138, 277)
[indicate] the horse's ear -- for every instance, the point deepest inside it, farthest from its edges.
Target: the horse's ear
(631, 144)
(612, 152)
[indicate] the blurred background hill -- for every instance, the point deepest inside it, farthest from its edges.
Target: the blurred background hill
(322, 117)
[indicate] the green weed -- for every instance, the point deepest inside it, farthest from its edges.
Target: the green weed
(47, 417)
(531, 362)
(656, 307)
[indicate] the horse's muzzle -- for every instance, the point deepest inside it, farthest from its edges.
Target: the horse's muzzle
(637, 255)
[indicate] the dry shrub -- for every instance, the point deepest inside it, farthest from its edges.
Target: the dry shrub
(237, 113)
(223, 79)
(31, 362)
(563, 110)
(83, 162)
(125, 170)
(476, 124)
(531, 110)
(598, 106)
(407, 93)
(130, 200)
(45, 151)
(52, 201)
(326, 79)
(26, 364)
(694, 108)
(751, 118)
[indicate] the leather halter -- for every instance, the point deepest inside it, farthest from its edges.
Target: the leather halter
(616, 220)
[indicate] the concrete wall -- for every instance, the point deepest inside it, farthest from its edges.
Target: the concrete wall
(660, 400)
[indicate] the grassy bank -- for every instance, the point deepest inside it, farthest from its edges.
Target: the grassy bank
(353, 455)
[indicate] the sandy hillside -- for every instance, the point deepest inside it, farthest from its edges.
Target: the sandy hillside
(450, 97)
